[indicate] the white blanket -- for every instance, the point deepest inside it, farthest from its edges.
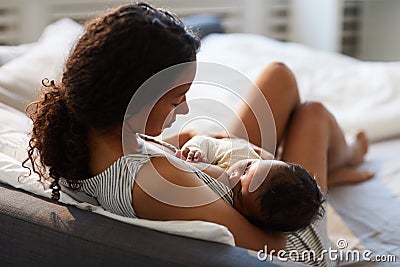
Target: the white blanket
(362, 95)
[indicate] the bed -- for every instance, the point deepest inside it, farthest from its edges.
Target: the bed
(362, 95)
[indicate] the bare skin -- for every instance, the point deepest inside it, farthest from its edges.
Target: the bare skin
(358, 148)
(279, 87)
(346, 175)
(308, 143)
(106, 148)
(336, 160)
(311, 135)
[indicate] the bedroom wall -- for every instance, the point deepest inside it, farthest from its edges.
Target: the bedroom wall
(22, 21)
(380, 38)
(317, 23)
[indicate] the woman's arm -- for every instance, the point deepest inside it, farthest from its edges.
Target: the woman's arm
(264, 154)
(153, 200)
(179, 139)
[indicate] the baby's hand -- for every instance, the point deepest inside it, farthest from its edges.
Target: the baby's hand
(191, 155)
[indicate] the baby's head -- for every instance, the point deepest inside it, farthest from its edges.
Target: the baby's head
(287, 200)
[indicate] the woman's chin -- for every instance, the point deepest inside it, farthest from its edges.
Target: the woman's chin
(153, 132)
(167, 125)
(157, 132)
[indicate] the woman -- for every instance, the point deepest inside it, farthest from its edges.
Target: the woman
(77, 125)
(77, 129)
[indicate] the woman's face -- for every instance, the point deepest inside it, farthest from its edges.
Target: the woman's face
(164, 112)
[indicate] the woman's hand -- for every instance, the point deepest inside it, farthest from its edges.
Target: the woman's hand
(223, 135)
(191, 155)
(264, 154)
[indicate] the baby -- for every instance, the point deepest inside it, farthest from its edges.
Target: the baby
(273, 194)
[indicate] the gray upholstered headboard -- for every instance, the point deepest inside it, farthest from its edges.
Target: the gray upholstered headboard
(38, 232)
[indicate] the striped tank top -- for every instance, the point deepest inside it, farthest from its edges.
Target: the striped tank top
(112, 188)
(310, 244)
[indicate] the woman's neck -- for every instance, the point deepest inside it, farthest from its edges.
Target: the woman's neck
(105, 149)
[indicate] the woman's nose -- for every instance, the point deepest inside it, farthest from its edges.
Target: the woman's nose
(183, 108)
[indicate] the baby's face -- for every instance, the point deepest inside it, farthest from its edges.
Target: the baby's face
(245, 177)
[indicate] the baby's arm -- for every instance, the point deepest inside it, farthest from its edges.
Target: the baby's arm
(179, 139)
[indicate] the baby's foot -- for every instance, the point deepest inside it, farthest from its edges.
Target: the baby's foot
(348, 175)
(358, 148)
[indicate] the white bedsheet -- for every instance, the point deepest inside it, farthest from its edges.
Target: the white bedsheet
(362, 95)
(369, 213)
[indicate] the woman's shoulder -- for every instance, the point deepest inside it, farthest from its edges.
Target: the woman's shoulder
(165, 165)
(125, 163)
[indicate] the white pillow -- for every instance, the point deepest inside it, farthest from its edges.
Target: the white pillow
(8, 53)
(12, 173)
(21, 78)
(14, 126)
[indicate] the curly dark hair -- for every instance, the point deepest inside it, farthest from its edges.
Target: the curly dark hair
(289, 199)
(118, 52)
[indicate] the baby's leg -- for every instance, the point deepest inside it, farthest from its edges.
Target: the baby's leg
(278, 85)
(315, 141)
